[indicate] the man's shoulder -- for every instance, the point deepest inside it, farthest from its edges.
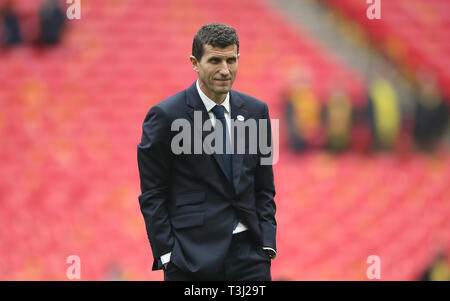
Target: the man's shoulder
(249, 101)
(172, 101)
(171, 105)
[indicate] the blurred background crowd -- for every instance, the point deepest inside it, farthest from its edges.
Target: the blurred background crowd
(364, 130)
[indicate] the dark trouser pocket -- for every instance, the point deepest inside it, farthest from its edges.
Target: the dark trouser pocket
(173, 273)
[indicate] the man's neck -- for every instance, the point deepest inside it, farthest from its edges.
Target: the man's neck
(217, 98)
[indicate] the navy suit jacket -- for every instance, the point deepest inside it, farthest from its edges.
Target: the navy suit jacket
(187, 202)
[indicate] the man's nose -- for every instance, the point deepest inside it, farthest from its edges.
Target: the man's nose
(224, 69)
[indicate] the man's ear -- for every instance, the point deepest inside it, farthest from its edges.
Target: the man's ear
(194, 62)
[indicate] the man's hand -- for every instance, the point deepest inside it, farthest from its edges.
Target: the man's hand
(270, 252)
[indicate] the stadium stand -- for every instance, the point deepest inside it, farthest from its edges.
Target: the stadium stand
(414, 33)
(70, 121)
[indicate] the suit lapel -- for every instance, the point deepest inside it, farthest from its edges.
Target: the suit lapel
(195, 103)
(237, 108)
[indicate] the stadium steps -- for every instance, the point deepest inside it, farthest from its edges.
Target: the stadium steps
(414, 34)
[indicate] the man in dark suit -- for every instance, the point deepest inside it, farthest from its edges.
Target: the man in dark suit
(209, 216)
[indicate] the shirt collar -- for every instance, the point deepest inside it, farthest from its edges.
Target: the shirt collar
(209, 103)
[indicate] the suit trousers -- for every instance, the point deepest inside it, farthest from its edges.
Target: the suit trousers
(245, 261)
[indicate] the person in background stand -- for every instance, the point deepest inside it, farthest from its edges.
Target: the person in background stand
(11, 34)
(431, 114)
(303, 113)
(52, 22)
(338, 120)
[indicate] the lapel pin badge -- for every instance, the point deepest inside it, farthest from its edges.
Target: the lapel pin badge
(240, 117)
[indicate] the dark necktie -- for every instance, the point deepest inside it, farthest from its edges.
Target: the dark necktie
(218, 111)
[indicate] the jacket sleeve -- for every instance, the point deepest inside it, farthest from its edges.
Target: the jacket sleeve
(265, 192)
(154, 162)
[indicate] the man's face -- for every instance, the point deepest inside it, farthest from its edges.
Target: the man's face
(216, 70)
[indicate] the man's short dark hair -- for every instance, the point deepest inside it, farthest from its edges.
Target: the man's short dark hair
(216, 35)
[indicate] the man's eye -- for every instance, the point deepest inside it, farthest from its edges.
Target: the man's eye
(231, 61)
